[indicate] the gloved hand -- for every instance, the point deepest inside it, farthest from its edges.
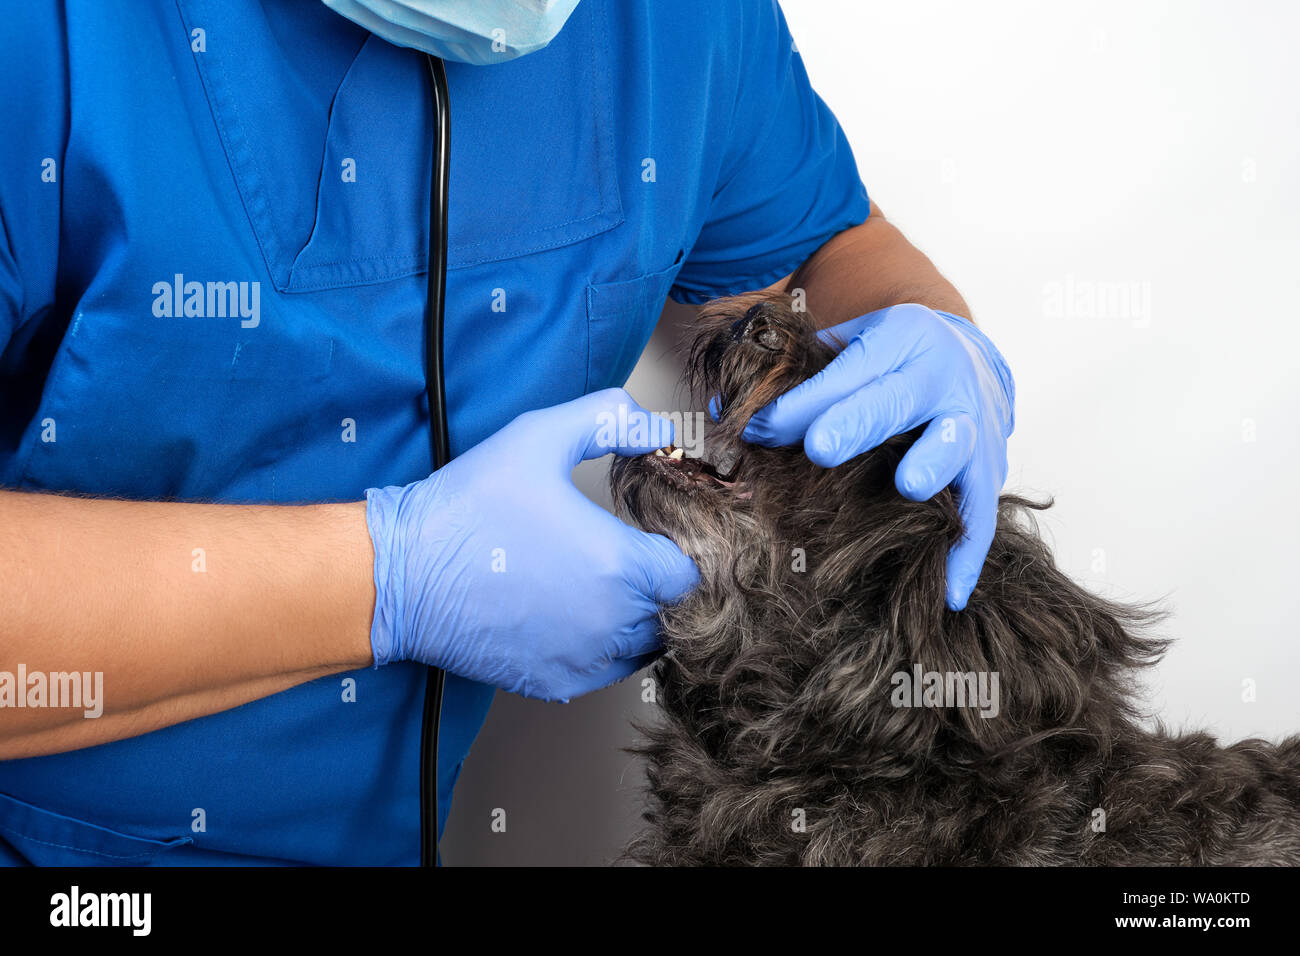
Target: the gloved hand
(901, 367)
(497, 568)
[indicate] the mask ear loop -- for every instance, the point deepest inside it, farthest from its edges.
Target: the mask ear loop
(439, 438)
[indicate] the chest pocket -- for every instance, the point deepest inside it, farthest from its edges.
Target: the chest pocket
(620, 319)
(343, 200)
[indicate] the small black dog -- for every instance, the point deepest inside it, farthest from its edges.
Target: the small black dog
(824, 707)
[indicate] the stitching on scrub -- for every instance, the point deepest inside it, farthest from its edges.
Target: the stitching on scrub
(466, 250)
(594, 30)
(341, 262)
(605, 88)
(586, 381)
(616, 220)
(212, 94)
(253, 189)
(600, 67)
(52, 379)
(260, 196)
(600, 72)
(325, 150)
(65, 846)
(255, 198)
(735, 107)
(481, 242)
(411, 265)
(417, 266)
(529, 232)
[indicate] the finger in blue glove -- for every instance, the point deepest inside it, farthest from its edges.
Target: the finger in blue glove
(496, 568)
(900, 368)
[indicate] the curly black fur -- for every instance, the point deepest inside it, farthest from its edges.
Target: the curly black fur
(781, 744)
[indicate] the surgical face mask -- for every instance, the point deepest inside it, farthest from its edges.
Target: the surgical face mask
(468, 31)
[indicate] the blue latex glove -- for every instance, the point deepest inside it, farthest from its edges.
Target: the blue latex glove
(498, 569)
(902, 367)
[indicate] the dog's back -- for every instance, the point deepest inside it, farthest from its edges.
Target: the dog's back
(784, 742)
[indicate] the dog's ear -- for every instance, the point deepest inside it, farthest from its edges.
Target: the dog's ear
(1055, 659)
(1049, 657)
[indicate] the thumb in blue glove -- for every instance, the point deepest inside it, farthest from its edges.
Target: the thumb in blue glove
(497, 569)
(902, 367)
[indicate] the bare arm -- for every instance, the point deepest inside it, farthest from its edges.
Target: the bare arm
(186, 609)
(868, 267)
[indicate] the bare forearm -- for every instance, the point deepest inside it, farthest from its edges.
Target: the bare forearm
(868, 267)
(118, 724)
(185, 609)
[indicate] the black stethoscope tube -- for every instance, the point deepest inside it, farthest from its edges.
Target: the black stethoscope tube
(439, 439)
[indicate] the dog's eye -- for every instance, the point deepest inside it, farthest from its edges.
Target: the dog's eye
(758, 325)
(769, 338)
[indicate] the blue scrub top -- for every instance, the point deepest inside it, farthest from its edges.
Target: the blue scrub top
(279, 156)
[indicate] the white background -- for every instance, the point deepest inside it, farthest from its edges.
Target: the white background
(1031, 148)
(1023, 145)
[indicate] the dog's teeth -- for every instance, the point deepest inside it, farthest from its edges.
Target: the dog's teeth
(677, 454)
(659, 452)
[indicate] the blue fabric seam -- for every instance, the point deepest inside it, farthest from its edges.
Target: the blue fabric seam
(182, 841)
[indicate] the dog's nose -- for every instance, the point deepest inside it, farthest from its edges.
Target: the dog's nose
(758, 324)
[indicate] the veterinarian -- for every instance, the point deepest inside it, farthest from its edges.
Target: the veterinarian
(212, 281)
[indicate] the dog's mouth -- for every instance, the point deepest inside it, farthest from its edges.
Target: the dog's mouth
(695, 473)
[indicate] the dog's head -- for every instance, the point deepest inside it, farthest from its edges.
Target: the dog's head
(758, 517)
(818, 586)
(725, 508)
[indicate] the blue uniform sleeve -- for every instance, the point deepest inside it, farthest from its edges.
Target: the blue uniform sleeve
(33, 136)
(787, 181)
